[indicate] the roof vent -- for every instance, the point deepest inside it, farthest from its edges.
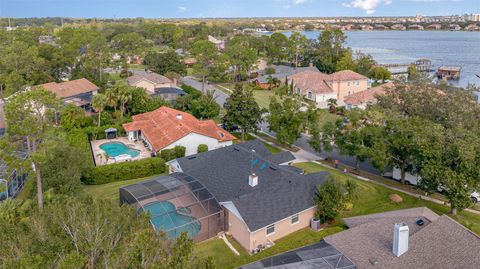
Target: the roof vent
(253, 180)
(191, 157)
(420, 222)
(179, 116)
(400, 239)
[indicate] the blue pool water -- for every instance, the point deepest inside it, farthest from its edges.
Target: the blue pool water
(113, 149)
(171, 219)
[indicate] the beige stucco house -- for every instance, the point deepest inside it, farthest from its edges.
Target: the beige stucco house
(150, 81)
(320, 87)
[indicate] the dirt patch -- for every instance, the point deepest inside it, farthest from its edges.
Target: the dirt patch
(395, 198)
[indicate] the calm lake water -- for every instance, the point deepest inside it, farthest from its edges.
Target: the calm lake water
(442, 47)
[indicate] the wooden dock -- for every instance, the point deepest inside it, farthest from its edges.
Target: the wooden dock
(422, 65)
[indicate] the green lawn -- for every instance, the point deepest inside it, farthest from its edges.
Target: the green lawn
(374, 198)
(109, 191)
(225, 258)
(272, 149)
(248, 137)
(262, 97)
(325, 116)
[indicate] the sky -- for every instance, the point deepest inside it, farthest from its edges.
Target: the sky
(232, 8)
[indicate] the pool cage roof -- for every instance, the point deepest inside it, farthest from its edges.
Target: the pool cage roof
(177, 203)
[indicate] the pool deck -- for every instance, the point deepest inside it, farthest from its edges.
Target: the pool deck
(101, 157)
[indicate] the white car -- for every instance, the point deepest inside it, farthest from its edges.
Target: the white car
(475, 197)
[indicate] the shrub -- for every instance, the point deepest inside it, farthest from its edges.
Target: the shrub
(270, 70)
(124, 171)
(202, 148)
(329, 200)
(170, 154)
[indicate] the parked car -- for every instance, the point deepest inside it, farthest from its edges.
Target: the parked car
(411, 179)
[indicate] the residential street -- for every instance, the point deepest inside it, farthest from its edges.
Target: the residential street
(220, 96)
(302, 142)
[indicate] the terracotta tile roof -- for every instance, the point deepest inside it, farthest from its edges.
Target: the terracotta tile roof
(369, 95)
(312, 81)
(346, 75)
(163, 126)
(70, 88)
(439, 243)
(149, 76)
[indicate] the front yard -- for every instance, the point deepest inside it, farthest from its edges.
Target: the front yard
(372, 198)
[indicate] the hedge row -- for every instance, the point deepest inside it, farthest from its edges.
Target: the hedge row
(124, 171)
(170, 154)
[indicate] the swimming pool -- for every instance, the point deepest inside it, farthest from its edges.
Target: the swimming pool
(114, 149)
(171, 221)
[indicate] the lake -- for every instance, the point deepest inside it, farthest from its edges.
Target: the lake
(442, 47)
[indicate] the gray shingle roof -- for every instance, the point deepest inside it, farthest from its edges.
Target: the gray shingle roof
(280, 192)
(439, 243)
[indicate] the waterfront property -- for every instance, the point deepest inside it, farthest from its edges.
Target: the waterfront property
(320, 87)
(368, 97)
(449, 72)
(107, 151)
(281, 73)
(78, 92)
(166, 128)
(263, 198)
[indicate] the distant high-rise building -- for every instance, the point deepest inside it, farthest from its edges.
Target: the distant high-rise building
(473, 17)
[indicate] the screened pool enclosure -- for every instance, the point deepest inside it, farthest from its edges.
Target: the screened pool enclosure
(177, 203)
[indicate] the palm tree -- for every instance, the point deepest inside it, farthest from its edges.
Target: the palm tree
(112, 98)
(99, 102)
(124, 96)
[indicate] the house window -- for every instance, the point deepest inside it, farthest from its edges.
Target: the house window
(309, 95)
(348, 83)
(294, 219)
(271, 229)
(298, 90)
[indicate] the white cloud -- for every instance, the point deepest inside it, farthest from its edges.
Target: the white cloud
(181, 8)
(369, 6)
(298, 2)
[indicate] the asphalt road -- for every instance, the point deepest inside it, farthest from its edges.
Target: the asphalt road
(219, 96)
(302, 143)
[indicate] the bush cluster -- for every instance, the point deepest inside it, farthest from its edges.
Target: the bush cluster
(170, 154)
(124, 171)
(202, 148)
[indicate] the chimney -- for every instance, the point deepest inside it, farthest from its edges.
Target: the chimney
(400, 239)
(253, 180)
(310, 64)
(174, 82)
(179, 116)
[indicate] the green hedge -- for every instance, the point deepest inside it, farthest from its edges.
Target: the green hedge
(170, 154)
(124, 171)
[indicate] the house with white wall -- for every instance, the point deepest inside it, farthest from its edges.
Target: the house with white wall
(166, 128)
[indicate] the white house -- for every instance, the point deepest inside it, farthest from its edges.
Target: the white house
(166, 128)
